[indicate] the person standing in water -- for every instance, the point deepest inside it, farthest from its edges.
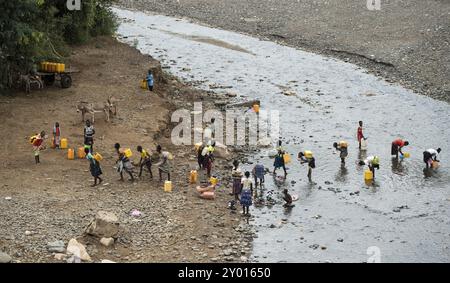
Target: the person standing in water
(373, 162)
(89, 133)
(247, 193)
(429, 156)
(258, 173)
(360, 134)
(342, 147)
(397, 147)
(94, 167)
(279, 159)
(236, 174)
(311, 163)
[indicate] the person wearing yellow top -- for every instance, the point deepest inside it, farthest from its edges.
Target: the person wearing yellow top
(144, 161)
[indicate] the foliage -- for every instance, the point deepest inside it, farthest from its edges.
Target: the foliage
(35, 30)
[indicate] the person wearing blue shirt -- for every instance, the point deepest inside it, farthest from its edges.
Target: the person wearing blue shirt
(150, 80)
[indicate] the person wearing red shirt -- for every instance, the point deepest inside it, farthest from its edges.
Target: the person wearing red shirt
(397, 146)
(360, 134)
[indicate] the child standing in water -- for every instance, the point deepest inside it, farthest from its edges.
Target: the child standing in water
(287, 198)
(279, 160)
(94, 167)
(247, 193)
(56, 135)
(360, 134)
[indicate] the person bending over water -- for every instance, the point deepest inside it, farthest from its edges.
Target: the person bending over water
(429, 156)
(373, 162)
(397, 147)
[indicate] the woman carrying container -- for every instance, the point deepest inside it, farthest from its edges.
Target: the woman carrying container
(373, 162)
(123, 163)
(94, 167)
(89, 133)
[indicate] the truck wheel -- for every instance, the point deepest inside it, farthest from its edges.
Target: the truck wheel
(66, 81)
(49, 80)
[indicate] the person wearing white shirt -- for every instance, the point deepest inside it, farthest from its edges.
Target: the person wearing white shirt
(430, 155)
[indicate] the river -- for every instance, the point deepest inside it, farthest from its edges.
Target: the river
(402, 217)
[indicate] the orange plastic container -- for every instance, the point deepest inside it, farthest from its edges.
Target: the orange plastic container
(193, 177)
(80, 153)
(70, 154)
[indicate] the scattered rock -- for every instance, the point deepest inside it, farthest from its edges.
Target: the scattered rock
(60, 256)
(105, 225)
(5, 258)
(340, 240)
(78, 250)
(107, 241)
(56, 247)
(244, 259)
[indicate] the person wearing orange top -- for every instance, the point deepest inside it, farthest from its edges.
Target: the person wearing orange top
(397, 146)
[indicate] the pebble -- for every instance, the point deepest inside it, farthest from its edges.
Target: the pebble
(5, 258)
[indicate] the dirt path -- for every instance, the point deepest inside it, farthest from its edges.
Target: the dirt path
(54, 200)
(406, 41)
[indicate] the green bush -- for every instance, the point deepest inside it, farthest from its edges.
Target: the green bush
(35, 30)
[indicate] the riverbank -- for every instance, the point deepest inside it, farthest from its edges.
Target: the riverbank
(407, 43)
(54, 201)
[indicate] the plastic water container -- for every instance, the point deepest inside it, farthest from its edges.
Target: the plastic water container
(287, 158)
(208, 195)
(435, 164)
(128, 153)
(214, 181)
(98, 157)
(63, 144)
(193, 177)
(406, 155)
(364, 144)
(60, 68)
(368, 175)
(144, 84)
(80, 153)
(308, 154)
(197, 146)
(168, 186)
(343, 144)
(256, 108)
(70, 154)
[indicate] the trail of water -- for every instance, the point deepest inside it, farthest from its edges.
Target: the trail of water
(338, 220)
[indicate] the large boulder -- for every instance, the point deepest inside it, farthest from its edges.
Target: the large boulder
(78, 250)
(105, 225)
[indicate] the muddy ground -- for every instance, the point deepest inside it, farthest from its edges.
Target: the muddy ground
(406, 41)
(54, 201)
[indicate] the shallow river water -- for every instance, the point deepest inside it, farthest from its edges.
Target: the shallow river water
(402, 217)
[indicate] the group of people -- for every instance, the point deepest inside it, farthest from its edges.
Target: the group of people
(123, 162)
